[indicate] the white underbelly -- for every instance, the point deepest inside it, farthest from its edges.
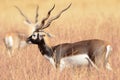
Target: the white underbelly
(77, 60)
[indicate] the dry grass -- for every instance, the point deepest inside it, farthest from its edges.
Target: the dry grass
(86, 19)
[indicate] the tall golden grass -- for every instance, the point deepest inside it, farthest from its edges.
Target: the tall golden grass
(86, 19)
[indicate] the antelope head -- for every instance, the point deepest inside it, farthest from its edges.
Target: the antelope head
(39, 33)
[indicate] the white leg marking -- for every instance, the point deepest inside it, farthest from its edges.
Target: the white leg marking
(91, 62)
(107, 65)
(52, 62)
(109, 49)
(9, 53)
(62, 64)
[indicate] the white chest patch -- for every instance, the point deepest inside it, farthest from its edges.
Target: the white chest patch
(50, 59)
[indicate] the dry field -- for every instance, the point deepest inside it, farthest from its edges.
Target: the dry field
(86, 19)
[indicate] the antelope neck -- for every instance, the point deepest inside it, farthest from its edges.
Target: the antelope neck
(44, 49)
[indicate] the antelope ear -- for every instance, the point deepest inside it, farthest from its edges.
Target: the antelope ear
(50, 35)
(27, 23)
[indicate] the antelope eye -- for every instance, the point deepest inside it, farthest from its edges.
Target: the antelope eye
(34, 37)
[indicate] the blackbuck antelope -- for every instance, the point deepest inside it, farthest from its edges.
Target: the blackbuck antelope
(16, 40)
(93, 52)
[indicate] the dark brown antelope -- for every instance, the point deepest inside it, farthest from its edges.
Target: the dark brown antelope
(88, 52)
(16, 40)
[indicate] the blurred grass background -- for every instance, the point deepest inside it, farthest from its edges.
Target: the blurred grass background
(86, 19)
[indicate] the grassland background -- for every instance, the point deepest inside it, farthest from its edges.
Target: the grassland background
(86, 19)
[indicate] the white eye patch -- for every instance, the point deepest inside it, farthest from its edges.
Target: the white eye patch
(34, 36)
(41, 35)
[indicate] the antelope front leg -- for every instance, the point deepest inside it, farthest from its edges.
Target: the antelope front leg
(91, 62)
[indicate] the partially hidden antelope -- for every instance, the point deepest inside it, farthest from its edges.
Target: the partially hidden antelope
(93, 52)
(16, 40)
